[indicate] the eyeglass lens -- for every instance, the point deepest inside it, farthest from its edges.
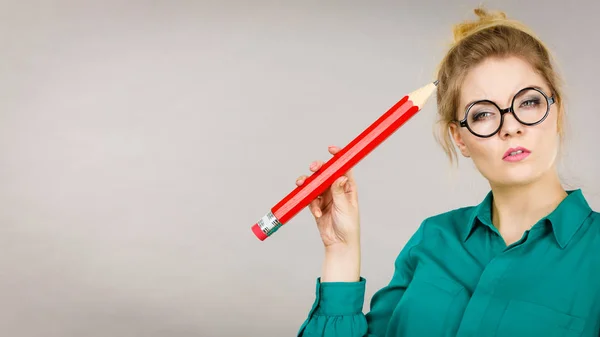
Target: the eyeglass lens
(529, 106)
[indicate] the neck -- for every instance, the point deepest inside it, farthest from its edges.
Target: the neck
(517, 208)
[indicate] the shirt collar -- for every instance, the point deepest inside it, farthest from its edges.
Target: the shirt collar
(568, 217)
(565, 219)
(481, 214)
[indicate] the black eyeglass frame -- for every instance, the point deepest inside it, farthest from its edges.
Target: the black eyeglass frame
(549, 101)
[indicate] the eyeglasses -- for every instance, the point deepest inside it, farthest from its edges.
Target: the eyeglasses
(484, 118)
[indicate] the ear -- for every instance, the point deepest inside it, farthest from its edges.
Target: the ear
(458, 140)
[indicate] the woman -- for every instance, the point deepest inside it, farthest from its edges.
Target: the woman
(525, 261)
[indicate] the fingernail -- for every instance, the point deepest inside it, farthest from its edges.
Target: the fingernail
(313, 165)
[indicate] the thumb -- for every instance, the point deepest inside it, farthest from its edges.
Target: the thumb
(338, 190)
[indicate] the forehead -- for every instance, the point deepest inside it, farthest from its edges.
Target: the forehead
(499, 79)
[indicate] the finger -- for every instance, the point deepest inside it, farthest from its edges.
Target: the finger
(315, 208)
(333, 149)
(325, 199)
(350, 175)
(348, 187)
(315, 165)
(300, 180)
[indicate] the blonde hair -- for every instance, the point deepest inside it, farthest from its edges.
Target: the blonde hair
(493, 35)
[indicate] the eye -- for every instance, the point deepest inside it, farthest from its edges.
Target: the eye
(482, 115)
(531, 103)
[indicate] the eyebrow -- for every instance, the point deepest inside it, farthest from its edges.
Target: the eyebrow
(528, 86)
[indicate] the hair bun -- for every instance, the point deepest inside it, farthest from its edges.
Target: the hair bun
(486, 19)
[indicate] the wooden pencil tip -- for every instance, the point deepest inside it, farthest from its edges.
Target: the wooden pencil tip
(420, 96)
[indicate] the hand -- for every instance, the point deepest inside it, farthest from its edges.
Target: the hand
(336, 210)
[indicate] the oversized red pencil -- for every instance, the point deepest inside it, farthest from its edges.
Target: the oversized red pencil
(342, 161)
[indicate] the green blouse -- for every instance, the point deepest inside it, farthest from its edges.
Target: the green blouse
(457, 277)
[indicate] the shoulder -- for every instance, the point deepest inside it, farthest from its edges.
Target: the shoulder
(594, 220)
(461, 214)
(595, 217)
(450, 225)
(583, 206)
(452, 222)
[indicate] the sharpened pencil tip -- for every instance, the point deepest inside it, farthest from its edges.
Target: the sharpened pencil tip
(420, 96)
(436, 82)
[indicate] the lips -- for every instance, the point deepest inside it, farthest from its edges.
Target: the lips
(515, 151)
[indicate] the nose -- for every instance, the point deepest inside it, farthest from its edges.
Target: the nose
(510, 126)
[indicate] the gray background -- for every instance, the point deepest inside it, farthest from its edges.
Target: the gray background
(139, 141)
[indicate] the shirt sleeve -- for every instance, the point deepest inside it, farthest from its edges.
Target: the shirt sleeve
(338, 308)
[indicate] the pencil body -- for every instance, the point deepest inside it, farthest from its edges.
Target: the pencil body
(340, 163)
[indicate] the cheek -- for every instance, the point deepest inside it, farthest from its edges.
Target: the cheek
(546, 134)
(482, 149)
(551, 122)
(483, 153)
